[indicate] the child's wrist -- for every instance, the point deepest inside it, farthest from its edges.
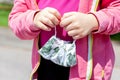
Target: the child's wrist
(94, 22)
(34, 27)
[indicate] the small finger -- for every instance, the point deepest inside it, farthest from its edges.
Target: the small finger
(72, 33)
(43, 27)
(65, 22)
(66, 15)
(53, 19)
(47, 22)
(71, 26)
(55, 12)
(76, 37)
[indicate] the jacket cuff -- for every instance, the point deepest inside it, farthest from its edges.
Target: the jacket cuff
(102, 21)
(32, 26)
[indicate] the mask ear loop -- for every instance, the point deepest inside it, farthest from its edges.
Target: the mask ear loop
(74, 41)
(55, 31)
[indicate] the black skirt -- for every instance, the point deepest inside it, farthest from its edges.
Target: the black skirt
(50, 71)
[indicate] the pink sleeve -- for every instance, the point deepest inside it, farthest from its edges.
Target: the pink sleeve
(21, 20)
(109, 18)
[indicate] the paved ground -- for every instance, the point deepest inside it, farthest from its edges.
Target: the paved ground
(15, 57)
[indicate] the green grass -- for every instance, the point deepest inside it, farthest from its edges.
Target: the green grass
(4, 12)
(4, 6)
(4, 17)
(116, 37)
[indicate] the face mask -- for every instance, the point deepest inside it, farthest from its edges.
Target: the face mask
(59, 52)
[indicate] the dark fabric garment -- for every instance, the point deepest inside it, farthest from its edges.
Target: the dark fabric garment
(50, 71)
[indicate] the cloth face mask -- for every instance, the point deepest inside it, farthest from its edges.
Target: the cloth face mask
(59, 52)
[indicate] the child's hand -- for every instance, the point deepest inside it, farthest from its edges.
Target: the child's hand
(47, 18)
(78, 25)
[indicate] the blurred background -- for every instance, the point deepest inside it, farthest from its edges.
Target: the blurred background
(15, 54)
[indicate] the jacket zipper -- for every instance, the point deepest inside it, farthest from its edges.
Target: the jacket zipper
(38, 63)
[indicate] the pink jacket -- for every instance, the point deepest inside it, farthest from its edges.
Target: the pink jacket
(21, 22)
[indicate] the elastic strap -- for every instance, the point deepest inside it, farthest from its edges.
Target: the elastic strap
(55, 32)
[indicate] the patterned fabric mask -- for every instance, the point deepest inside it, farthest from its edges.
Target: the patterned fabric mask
(59, 52)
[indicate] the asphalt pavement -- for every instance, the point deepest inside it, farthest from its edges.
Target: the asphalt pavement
(15, 57)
